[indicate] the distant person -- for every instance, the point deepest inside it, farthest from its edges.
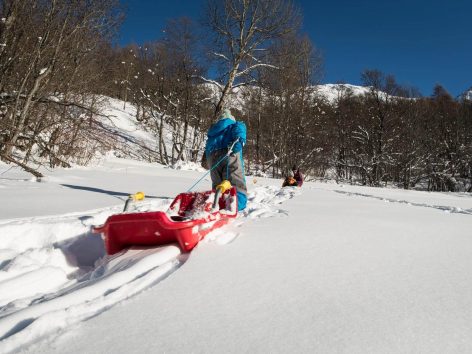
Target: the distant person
(295, 180)
(297, 175)
(221, 137)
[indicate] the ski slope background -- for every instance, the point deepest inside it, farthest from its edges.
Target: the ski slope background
(324, 268)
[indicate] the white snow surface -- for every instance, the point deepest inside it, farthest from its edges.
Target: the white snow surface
(326, 268)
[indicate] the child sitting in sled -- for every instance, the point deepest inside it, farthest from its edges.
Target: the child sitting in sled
(296, 180)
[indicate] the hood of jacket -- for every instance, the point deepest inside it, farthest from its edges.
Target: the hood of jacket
(217, 128)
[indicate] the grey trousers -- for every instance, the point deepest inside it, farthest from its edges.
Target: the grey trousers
(231, 169)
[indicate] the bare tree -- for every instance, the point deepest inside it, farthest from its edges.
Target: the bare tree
(242, 30)
(47, 59)
(167, 94)
(279, 112)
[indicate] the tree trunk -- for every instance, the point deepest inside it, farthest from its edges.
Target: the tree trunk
(28, 169)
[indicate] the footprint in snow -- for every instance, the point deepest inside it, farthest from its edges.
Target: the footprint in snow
(262, 201)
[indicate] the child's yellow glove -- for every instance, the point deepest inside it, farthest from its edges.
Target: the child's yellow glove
(224, 186)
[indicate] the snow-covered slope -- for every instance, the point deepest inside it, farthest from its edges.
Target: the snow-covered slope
(325, 268)
(129, 136)
(133, 139)
(332, 92)
(329, 92)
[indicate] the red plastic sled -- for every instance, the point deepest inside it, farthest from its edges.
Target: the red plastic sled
(190, 218)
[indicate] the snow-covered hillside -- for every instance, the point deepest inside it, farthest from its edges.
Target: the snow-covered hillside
(329, 92)
(324, 268)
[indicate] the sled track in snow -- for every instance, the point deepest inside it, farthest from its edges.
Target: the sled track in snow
(444, 208)
(54, 273)
(52, 316)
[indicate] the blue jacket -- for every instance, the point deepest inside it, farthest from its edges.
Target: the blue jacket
(223, 133)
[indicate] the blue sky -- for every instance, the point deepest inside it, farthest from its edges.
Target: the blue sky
(421, 42)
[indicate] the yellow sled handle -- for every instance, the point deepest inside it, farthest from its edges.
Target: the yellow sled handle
(138, 196)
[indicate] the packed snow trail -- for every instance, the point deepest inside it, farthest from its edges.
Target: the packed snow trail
(446, 208)
(56, 266)
(54, 272)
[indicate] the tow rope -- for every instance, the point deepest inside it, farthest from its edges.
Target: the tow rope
(230, 150)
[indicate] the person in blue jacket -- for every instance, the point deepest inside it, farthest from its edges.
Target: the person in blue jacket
(223, 135)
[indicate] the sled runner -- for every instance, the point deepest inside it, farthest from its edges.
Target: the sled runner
(190, 217)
